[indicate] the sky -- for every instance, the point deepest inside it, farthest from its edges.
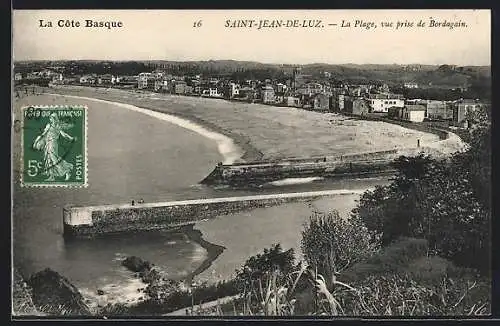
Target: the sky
(171, 35)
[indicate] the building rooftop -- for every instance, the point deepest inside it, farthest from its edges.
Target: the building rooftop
(415, 107)
(468, 101)
(385, 96)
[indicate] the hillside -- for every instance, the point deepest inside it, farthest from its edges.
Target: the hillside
(426, 75)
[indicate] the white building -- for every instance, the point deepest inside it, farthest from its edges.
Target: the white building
(267, 94)
(158, 74)
(410, 85)
(214, 92)
(341, 102)
(310, 89)
(142, 80)
(293, 101)
(413, 113)
(281, 88)
(234, 90)
(106, 79)
(88, 79)
(382, 102)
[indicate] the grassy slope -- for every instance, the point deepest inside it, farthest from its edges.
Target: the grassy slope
(403, 263)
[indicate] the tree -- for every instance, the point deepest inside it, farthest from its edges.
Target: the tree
(257, 267)
(446, 202)
(331, 243)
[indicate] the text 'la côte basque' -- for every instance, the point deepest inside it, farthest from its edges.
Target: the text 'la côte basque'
(72, 23)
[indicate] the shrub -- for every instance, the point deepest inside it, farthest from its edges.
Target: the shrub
(371, 203)
(393, 258)
(22, 302)
(444, 201)
(259, 266)
(401, 295)
(400, 253)
(168, 301)
(332, 244)
(109, 310)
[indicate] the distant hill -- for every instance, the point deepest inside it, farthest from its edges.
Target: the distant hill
(425, 75)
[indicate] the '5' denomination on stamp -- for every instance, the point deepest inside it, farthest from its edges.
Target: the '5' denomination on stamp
(54, 146)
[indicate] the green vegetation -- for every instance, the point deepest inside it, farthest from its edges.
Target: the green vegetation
(404, 295)
(170, 296)
(434, 222)
(257, 267)
(440, 94)
(445, 202)
(398, 280)
(331, 243)
(419, 246)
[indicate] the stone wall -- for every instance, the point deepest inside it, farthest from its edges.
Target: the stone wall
(262, 172)
(132, 219)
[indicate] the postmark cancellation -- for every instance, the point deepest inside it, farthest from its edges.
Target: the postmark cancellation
(54, 146)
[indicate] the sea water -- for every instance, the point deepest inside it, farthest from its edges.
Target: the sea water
(135, 154)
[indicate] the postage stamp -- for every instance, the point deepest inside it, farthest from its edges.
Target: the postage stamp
(54, 146)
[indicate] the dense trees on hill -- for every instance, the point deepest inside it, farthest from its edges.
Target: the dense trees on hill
(446, 202)
(445, 75)
(259, 74)
(440, 94)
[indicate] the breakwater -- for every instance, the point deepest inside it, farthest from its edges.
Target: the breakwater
(260, 172)
(105, 219)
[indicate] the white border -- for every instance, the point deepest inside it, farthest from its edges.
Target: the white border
(85, 150)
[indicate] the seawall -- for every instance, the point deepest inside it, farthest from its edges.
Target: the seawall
(97, 220)
(257, 173)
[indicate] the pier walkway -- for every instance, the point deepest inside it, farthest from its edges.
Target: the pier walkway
(93, 220)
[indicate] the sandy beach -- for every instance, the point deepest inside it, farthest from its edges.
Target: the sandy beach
(251, 132)
(272, 132)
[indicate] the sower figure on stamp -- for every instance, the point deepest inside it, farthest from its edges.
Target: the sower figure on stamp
(47, 141)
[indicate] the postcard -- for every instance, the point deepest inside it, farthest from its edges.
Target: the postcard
(262, 163)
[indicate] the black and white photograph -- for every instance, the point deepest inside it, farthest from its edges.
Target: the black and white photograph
(264, 163)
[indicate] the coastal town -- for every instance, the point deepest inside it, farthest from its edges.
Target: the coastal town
(264, 163)
(292, 88)
(281, 142)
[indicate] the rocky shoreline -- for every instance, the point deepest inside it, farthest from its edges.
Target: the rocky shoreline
(49, 293)
(46, 293)
(145, 269)
(22, 296)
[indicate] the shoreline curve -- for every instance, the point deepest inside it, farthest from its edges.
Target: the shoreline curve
(226, 146)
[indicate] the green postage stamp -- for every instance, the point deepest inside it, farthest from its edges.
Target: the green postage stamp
(54, 146)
